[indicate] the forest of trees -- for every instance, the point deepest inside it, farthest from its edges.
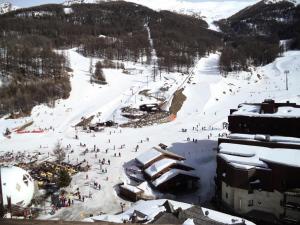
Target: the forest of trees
(243, 52)
(33, 72)
(180, 39)
(253, 34)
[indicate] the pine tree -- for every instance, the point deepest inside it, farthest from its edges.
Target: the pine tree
(64, 178)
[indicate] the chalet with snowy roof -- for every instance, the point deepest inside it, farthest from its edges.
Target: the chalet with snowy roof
(162, 166)
(155, 154)
(260, 182)
(132, 193)
(166, 171)
(176, 180)
(268, 117)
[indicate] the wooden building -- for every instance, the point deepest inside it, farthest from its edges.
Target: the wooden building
(162, 166)
(268, 117)
(166, 171)
(130, 192)
(176, 180)
(155, 154)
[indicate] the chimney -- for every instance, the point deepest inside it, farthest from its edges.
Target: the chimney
(268, 106)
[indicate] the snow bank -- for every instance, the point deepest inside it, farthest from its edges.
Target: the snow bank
(258, 156)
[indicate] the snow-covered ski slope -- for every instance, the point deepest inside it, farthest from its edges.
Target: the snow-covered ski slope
(209, 99)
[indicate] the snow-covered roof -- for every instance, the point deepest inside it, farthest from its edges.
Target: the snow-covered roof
(152, 208)
(169, 175)
(262, 137)
(257, 156)
(189, 222)
(254, 110)
(224, 218)
(159, 166)
(131, 188)
(148, 156)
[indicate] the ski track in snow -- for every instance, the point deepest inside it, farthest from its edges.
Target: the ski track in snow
(209, 99)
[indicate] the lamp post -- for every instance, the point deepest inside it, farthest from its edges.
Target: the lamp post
(286, 72)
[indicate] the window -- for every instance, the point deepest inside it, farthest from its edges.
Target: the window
(250, 203)
(281, 202)
(26, 179)
(226, 195)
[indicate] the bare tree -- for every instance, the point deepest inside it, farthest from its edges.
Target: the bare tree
(59, 152)
(91, 66)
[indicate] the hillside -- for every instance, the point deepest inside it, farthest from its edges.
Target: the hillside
(6, 7)
(110, 30)
(262, 25)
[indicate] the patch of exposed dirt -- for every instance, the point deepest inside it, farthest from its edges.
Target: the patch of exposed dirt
(177, 101)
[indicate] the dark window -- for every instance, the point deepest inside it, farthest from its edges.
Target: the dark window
(250, 203)
(226, 195)
(281, 202)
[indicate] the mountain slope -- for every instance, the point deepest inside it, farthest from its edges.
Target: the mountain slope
(210, 11)
(262, 25)
(108, 30)
(296, 2)
(6, 7)
(265, 19)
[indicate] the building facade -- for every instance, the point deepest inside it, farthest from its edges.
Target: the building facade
(258, 174)
(266, 118)
(256, 186)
